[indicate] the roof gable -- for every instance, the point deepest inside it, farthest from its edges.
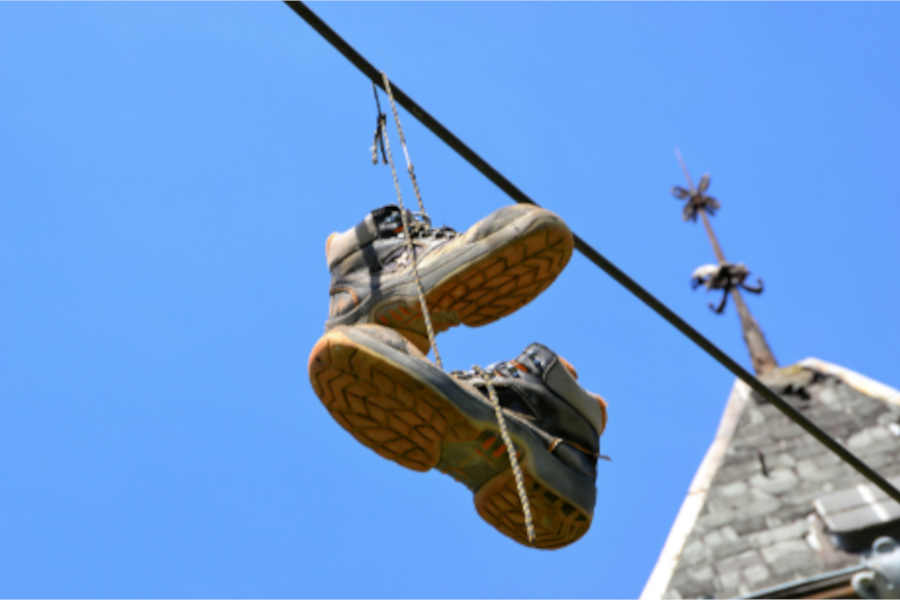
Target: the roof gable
(748, 521)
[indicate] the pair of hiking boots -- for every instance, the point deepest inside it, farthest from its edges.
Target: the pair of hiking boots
(371, 373)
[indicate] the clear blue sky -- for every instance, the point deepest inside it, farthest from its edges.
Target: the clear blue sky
(170, 172)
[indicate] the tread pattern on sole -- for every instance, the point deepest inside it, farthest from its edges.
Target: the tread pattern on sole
(383, 408)
(407, 422)
(487, 290)
(557, 522)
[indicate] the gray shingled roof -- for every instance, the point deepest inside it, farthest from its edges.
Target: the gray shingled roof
(749, 522)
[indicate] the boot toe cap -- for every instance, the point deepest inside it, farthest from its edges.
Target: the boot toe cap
(525, 214)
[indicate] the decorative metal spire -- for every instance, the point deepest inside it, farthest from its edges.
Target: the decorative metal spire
(725, 276)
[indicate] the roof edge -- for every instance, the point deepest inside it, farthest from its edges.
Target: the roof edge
(861, 383)
(696, 496)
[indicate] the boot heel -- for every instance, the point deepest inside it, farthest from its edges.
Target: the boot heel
(556, 522)
(380, 405)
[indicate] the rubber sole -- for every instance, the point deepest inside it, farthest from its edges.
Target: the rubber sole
(404, 419)
(487, 289)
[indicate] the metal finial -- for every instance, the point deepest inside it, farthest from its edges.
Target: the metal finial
(697, 199)
(725, 277)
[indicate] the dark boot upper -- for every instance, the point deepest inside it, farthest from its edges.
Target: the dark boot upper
(541, 386)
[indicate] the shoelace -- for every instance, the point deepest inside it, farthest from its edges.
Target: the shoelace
(421, 227)
(409, 226)
(405, 221)
(510, 452)
(507, 368)
(512, 369)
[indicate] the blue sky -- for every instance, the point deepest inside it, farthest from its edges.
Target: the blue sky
(170, 172)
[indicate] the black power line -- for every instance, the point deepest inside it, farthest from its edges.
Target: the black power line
(589, 252)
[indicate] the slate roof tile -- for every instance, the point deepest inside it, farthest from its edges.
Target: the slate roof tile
(752, 531)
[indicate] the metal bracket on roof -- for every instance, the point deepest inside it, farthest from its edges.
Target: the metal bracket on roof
(881, 579)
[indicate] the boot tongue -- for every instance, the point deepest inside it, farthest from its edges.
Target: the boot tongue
(389, 221)
(537, 358)
(542, 357)
(385, 212)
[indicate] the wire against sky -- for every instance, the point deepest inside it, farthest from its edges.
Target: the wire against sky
(589, 252)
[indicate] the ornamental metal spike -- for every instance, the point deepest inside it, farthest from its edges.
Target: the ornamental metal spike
(725, 277)
(697, 200)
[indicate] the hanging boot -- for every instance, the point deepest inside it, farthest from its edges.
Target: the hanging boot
(382, 390)
(497, 266)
